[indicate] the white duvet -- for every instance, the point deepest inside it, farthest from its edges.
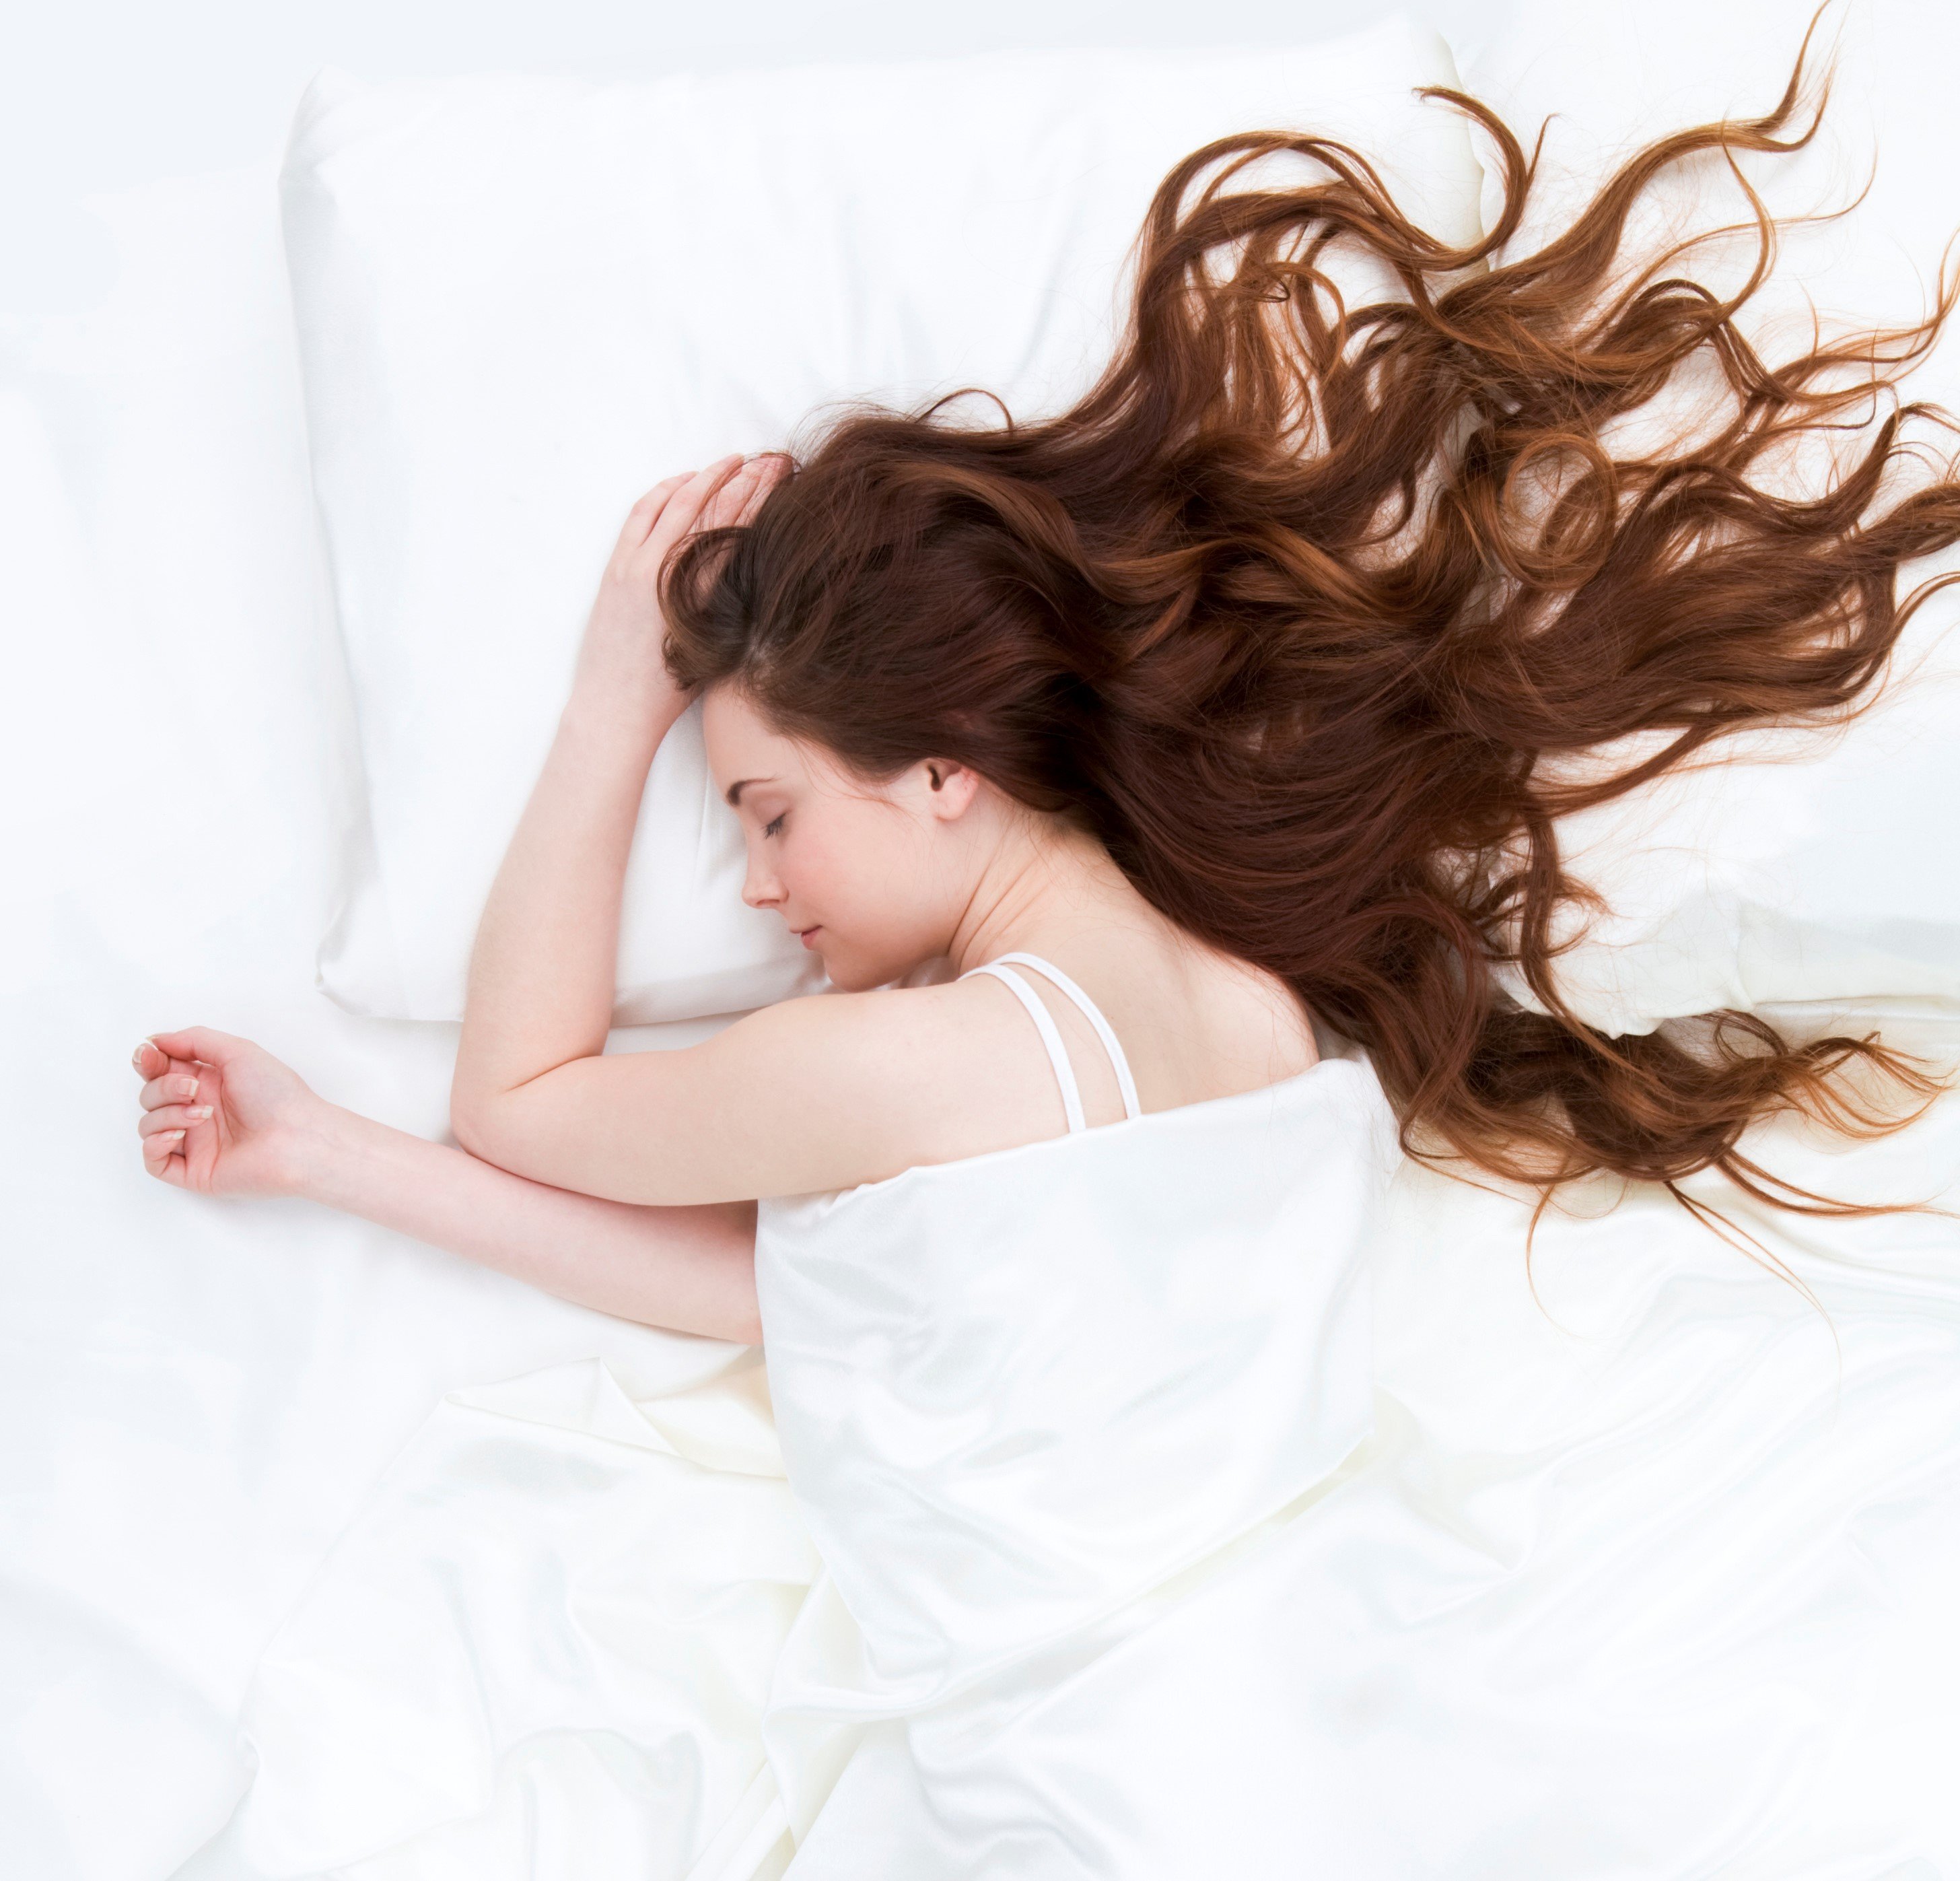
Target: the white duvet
(1649, 1575)
(1044, 1411)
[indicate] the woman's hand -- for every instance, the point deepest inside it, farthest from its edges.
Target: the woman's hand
(225, 1118)
(620, 666)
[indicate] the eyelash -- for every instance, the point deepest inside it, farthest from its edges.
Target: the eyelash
(774, 827)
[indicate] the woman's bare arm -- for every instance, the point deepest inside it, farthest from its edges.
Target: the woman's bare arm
(541, 974)
(223, 1117)
(808, 1094)
(691, 1269)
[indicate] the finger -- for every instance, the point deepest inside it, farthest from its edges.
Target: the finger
(733, 500)
(641, 518)
(684, 508)
(177, 1087)
(172, 1118)
(773, 469)
(162, 1156)
(152, 1061)
(200, 1044)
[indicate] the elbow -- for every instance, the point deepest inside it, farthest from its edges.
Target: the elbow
(473, 1121)
(479, 1105)
(507, 1124)
(466, 1110)
(463, 1127)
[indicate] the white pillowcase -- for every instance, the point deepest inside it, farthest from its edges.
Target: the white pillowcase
(521, 302)
(1820, 869)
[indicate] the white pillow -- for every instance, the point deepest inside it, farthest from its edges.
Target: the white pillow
(1818, 869)
(522, 301)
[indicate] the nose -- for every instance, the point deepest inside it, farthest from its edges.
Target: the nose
(760, 889)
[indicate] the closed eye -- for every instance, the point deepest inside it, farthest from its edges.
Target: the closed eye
(774, 827)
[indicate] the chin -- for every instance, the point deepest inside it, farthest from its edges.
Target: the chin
(849, 979)
(860, 975)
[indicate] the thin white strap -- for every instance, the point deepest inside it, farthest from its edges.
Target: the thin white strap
(1058, 1056)
(1124, 1082)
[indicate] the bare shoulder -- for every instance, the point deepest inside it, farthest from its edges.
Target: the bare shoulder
(842, 1088)
(890, 1034)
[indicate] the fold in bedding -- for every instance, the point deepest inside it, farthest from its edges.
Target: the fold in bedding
(1644, 1573)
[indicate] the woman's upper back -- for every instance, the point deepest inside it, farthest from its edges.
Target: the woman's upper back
(1014, 1388)
(1026, 1051)
(1198, 1028)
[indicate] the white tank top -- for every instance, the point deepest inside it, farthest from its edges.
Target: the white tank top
(1016, 1391)
(1058, 1053)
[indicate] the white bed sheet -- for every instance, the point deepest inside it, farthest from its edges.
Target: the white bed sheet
(197, 1398)
(196, 1395)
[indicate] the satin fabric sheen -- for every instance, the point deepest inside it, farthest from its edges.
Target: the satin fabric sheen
(1204, 1494)
(1031, 1404)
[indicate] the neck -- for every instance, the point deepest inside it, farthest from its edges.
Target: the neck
(1045, 884)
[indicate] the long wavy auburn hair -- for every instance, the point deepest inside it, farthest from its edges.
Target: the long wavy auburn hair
(1308, 612)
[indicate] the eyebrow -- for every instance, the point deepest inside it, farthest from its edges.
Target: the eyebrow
(734, 792)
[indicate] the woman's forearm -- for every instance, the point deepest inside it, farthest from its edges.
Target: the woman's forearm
(689, 1269)
(541, 975)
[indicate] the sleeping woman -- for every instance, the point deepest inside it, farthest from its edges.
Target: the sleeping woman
(1118, 765)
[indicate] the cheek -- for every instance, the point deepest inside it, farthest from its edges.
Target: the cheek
(822, 872)
(862, 868)
(808, 868)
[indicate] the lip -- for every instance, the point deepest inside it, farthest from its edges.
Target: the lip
(804, 934)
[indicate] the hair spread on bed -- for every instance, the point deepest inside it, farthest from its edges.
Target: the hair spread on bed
(1320, 618)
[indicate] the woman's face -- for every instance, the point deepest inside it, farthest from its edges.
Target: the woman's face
(872, 876)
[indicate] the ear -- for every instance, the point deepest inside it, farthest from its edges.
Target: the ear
(950, 787)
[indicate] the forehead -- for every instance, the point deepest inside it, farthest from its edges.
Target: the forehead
(732, 726)
(741, 743)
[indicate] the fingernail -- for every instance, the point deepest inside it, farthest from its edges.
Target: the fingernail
(200, 1114)
(170, 1136)
(184, 1087)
